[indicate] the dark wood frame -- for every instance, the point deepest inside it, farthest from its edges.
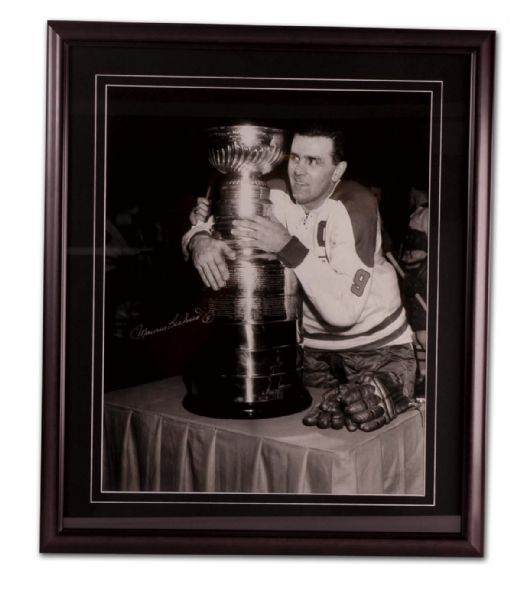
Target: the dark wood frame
(57, 538)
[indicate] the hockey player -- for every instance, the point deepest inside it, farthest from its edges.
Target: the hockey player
(354, 324)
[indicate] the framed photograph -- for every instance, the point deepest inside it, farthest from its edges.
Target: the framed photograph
(266, 290)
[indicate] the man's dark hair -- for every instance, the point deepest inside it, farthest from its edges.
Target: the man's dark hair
(322, 130)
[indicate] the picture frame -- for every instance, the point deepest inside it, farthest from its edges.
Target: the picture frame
(455, 70)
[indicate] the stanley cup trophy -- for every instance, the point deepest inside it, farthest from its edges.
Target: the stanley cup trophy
(251, 366)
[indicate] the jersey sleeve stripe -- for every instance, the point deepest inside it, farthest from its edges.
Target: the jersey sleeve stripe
(390, 337)
(373, 330)
(293, 253)
(378, 343)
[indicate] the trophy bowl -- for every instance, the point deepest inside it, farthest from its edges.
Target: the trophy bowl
(242, 153)
(245, 149)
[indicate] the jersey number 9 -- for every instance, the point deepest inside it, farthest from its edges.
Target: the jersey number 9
(361, 278)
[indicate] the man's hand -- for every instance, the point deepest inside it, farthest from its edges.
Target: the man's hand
(209, 258)
(262, 233)
(200, 212)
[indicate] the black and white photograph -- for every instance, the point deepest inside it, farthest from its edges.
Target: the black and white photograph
(265, 281)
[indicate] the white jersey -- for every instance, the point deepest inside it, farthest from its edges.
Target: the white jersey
(351, 294)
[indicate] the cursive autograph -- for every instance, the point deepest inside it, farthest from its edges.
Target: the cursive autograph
(140, 332)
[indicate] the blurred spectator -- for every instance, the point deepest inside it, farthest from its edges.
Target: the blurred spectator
(414, 261)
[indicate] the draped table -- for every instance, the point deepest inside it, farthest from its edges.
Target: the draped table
(151, 443)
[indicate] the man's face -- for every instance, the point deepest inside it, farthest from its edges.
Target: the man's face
(311, 170)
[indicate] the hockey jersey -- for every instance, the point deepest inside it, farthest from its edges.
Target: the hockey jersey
(351, 293)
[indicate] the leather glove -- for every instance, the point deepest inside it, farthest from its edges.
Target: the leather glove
(373, 402)
(328, 413)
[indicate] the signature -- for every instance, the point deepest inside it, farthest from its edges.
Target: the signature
(140, 332)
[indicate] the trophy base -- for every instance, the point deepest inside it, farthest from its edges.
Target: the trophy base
(214, 404)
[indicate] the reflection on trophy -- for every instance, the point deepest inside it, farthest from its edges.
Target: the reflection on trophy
(252, 365)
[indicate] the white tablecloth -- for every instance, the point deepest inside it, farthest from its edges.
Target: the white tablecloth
(151, 443)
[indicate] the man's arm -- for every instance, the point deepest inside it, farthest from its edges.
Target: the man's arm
(204, 228)
(208, 254)
(339, 286)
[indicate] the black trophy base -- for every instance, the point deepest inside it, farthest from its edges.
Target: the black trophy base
(215, 403)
